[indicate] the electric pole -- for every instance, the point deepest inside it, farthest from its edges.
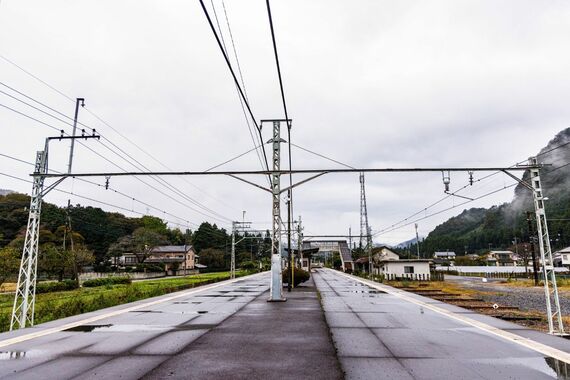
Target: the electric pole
(365, 232)
(531, 238)
(233, 253)
(72, 145)
(235, 228)
(276, 285)
(550, 286)
(417, 241)
(289, 248)
(25, 297)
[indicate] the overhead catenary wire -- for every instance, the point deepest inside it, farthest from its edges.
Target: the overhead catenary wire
(466, 186)
(228, 63)
(390, 229)
(255, 138)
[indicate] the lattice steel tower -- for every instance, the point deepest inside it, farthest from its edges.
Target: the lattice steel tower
(365, 233)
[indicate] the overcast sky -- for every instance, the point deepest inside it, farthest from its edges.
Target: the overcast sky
(369, 83)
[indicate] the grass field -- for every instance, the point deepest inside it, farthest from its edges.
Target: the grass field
(56, 305)
(563, 283)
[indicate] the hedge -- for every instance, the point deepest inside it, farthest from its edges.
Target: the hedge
(106, 281)
(48, 287)
(299, 276)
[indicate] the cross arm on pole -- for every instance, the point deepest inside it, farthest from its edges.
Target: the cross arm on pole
(303, 181)
(249, 182)
(524, 183)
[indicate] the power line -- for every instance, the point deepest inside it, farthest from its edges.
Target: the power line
(478, 180)
(234, 77)
(36, 78)
(256, 140)
(96, 201)
(94, 115)
(390, 229)
(277, 60)
(160, 180)
(130, 197)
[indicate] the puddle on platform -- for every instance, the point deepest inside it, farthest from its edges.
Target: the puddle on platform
(364, 291)
(202, 312)
(145, 311)
(118, 328)
(562, 369)
(87, 328)
(15, 355)
(181, 302)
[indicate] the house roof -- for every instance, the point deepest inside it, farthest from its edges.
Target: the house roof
(407, 261)
(200, 266)
(443, 254)
(563, 250)
(362, 260)
(164, 260)
(171, 248)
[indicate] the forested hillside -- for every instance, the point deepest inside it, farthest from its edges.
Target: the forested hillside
(476, 229)
(101, 235)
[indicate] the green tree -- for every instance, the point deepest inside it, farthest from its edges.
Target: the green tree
(9, 263)
(212, 258)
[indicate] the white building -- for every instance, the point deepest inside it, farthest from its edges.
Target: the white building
(562, 258)
(411, 269)
(385, 253)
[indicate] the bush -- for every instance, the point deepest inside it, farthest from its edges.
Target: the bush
(106, 281)
(48, 287)
(248, 265)
(300, 276)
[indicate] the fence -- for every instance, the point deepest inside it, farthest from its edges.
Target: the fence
(132, 275)
(433, 276)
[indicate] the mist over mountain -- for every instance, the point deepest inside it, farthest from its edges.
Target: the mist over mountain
(477, 229)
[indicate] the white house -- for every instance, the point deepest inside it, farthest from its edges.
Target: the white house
(562, 258)
(411, 269)
(384, 253)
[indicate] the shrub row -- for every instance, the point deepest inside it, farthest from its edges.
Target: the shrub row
(300, 276)
(48, 287)
(106, 281)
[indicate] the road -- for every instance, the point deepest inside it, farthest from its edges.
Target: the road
(381, 332)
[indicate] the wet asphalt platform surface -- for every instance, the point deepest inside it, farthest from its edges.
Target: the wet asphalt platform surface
(380, 336)
(229, 331)
(223, 332)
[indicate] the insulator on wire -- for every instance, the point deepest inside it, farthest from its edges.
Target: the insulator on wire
(471, 178)
(446, 180)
